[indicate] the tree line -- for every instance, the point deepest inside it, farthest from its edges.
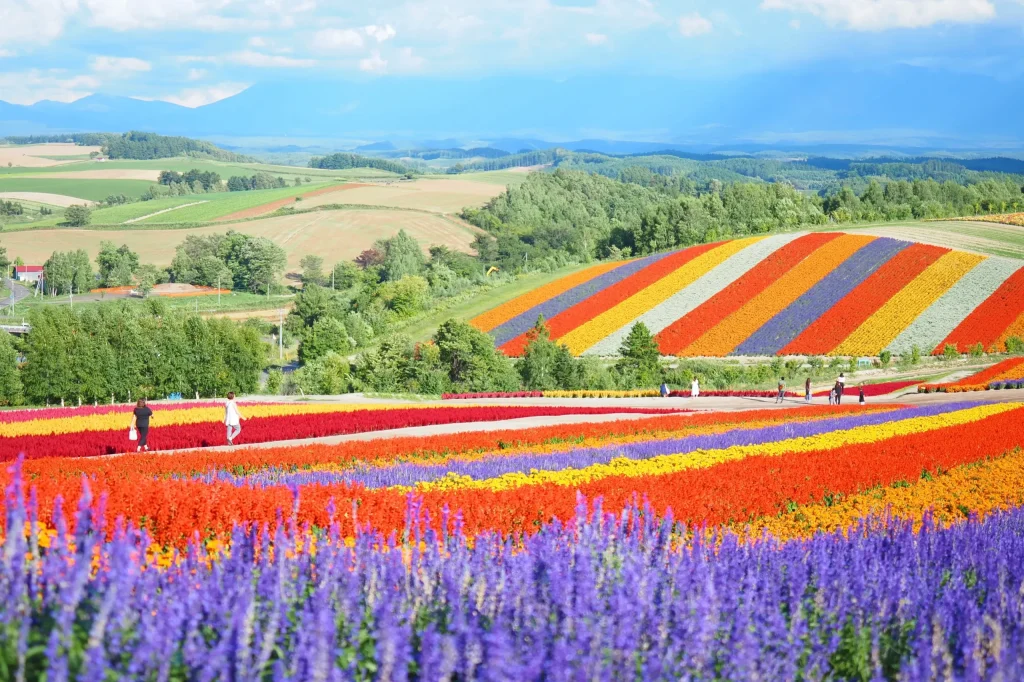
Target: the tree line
(123, 352)
(141, 145)
(343, 160)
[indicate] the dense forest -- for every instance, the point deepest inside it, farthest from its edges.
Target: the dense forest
(343, 160)
(581, 216)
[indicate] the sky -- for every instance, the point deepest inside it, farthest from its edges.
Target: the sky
(194, 52)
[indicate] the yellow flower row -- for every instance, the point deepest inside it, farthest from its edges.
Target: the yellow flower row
(613, 319)
(700, 459)
(755, 313)
(189, 415)
(650, 393)
(879, 330)
(979, 488)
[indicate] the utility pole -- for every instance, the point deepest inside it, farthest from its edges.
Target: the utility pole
(280, 337)
(218, 291)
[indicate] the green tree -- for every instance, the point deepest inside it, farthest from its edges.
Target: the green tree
(640, 356)
(47, 374)
(885, 357)
(147, 276)
(11, 392)
(327, 335)
(548, 365)
(977, 350)
(326, 375)
(313, 303)
(950, 352)
(5, 261)
(312, 269)
(471, 360)
(116, 265)
(275, 382)
(402, 257)
(345, 275)
(77, 215)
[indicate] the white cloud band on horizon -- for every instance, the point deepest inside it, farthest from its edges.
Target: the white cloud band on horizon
(693, 25)
(197, 97)
(29, 87)
(881, 15)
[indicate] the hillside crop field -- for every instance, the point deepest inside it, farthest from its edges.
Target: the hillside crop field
(989, 238)
(334, 235)
(428, 194)
(40, 155)
(91, 189)
(791, 294)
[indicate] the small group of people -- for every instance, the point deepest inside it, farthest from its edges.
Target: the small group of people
(138, 430)
(694, 388)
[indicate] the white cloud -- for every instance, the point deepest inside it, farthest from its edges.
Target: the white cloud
(258, 41)
(116, 67)
(380, 33)
(330, 39)
(197, 97)
(22, 23)
(29, 87)
(374, 63)
(596, 38)
(694, 25)
(408, 61)
(879, 15)
(795, 24)
(261, 60)
(196, 74)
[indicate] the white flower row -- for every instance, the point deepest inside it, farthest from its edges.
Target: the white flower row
(942, 317)
(687, 299)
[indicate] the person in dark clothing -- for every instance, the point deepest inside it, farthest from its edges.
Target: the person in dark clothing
(862, 401)
(839, 392)
(140, 422)
(807, 390)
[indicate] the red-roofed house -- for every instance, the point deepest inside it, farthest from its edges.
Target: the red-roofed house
(28, 273)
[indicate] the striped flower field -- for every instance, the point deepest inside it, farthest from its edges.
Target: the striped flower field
(822, 542)
(798, 294)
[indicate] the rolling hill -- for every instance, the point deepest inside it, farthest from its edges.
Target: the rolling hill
(788, 294)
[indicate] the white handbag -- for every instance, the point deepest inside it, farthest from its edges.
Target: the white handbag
(133, 434)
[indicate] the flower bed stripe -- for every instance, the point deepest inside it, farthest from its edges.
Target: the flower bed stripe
(872, 390)
(990, 319)
(517, 306)
(829, 330)
(499, 467)
(682, 302)
(953, 307)
(1001, 370)
(899, 311)
(622, 315)
(585, 311)
(554, 307)
(276, 428)
(688, 328)
(977, 488)
(1014, 330)
(786, 325)
(877, 428)
(731, 332)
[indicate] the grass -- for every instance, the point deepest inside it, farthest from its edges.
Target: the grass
(238, 301)
(182, 164)
(985, 238)
(502, 177)
(422, 328)
(92, 190)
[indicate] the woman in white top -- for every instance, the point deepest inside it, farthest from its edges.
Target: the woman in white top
(695, 388)
(232, 418)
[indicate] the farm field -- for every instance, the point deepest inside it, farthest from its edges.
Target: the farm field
(801, 293)
(839, 512)
(428, 194)
(91, 189)
(334, 235)
(40, 155)
(988, 238)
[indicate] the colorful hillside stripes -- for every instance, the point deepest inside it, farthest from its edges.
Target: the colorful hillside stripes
(850, 313)
(988, 321)
(953, 307)
(686, 299)
(689, 328)
(553, 308)
(794, 294)
(784, 327)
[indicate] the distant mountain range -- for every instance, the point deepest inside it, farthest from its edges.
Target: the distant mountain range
(905, 107)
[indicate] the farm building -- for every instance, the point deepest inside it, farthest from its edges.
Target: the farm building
(28, 273)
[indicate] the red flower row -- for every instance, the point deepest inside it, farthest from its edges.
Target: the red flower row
(270, 429)
(498, 394)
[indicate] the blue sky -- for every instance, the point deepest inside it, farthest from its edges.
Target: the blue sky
(193, 52)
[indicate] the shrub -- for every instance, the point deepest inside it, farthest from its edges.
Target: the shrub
(977, 350)
(1015, 344)
(950, 352)
(885, 357)
(77, 215)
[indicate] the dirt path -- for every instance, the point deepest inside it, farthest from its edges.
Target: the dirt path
(166, 210)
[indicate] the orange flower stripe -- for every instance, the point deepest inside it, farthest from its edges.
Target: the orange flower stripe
(829, 330)
(735, 329)
(684, 331)
(517, 306)
(1016, 329)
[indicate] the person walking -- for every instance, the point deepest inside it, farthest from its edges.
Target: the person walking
(664, 390)
(232, 419)
(782, 390)
(832, 396)
(838, 388)
(862, 401)
(140, 424)
(807, 390)
(695, 387)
